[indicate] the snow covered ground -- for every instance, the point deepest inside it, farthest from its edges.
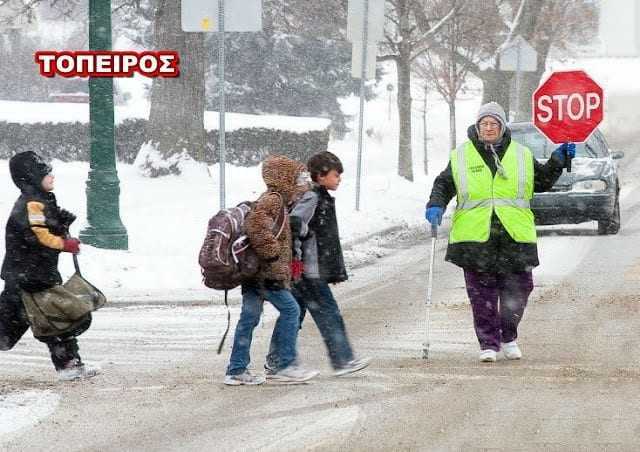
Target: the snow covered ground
(22, 409)
(166, 218)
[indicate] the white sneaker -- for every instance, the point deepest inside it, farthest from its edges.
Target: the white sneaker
(352, 366)
(293, 375)
(511, 350)
(76, 370)
(488, 356)
(245, 378)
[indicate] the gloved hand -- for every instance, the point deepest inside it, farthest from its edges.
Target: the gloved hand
(297, 267)
(71, 245)
(564, 153)
(66, 217)
(433, 215)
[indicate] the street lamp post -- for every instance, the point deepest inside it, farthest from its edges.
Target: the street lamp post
(105, 229)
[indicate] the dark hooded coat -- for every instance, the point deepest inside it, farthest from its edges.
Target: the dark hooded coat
(500, 254)
(28, 263)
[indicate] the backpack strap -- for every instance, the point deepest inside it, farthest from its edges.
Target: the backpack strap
(224, 336)
(278, 226)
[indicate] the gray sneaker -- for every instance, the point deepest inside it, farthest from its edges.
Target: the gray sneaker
(245, 378)
(76, 370)
(511, 350)
(292, 375)
(352, 366)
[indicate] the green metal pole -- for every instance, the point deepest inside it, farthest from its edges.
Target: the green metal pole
(105, 229)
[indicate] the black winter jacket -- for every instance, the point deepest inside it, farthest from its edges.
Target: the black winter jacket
(314, 226)
(500, 254)
(28, 262)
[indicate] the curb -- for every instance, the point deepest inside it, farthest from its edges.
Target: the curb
(217, 297)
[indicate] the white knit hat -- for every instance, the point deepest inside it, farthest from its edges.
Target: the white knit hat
(494, 110)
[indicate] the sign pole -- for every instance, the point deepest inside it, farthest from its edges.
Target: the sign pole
(389, 90)
(363, 74)
(424, 129)
(517, 57)
(221, 78)
(518, 72)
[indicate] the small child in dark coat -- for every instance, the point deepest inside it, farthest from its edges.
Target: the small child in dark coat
(35, 236)
(316, 238)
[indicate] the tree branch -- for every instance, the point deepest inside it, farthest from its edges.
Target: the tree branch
(387, 58)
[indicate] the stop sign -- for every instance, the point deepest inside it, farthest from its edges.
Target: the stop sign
(568, 106)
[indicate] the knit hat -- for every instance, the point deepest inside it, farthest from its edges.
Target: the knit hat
(28, 169)
(494, 110)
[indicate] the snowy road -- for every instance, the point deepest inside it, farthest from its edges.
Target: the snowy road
(576, 388)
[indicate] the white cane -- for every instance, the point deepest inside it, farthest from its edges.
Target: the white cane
(427, 340)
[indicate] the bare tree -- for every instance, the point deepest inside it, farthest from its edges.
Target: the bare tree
(443, 70)
(548, 25)
(543, 23)
(404, 42)
(176, 117)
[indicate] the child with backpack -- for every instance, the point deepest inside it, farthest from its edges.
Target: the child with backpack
(35, 236)
(284, 179)
(315, 233)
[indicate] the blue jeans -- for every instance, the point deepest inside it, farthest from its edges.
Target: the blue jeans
(285, 332)
(315, 296)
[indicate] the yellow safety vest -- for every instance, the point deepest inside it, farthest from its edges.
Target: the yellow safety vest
(479, 194)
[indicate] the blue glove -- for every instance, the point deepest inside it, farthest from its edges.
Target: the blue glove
(434, 215)
(562, 152)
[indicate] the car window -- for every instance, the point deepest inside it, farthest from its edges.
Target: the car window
(600, 143)
(542, 147)
(595, 147)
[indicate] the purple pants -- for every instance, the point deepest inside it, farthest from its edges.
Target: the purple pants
(497, 301)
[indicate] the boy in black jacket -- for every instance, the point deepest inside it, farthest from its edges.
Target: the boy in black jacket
(315, 236)
(35, 236)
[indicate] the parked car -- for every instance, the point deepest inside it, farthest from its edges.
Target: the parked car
(589, 192)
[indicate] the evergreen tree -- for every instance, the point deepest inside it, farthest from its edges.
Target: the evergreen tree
(283, 74)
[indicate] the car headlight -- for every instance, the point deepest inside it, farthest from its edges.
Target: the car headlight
(589, 186)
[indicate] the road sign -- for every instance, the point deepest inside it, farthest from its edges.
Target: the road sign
(568, 106)
(519, 56)
(239, 15)
(355, 20)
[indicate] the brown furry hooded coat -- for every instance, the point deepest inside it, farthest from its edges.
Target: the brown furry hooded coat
(279, 174)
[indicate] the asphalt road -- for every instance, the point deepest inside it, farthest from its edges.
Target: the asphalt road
(575, 389)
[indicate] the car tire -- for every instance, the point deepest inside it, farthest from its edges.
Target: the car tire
(611, 226)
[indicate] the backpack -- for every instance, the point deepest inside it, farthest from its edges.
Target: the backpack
(226, 257)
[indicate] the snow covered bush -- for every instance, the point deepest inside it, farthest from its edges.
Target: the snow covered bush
(69, 141)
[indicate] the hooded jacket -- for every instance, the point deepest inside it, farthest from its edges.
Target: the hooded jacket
(500, 254)
(279, 174)
(35, 228)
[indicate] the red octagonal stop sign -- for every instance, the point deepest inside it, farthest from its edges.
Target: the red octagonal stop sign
(568, 106)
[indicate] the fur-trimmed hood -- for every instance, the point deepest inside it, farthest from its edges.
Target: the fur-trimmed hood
(280, 173)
